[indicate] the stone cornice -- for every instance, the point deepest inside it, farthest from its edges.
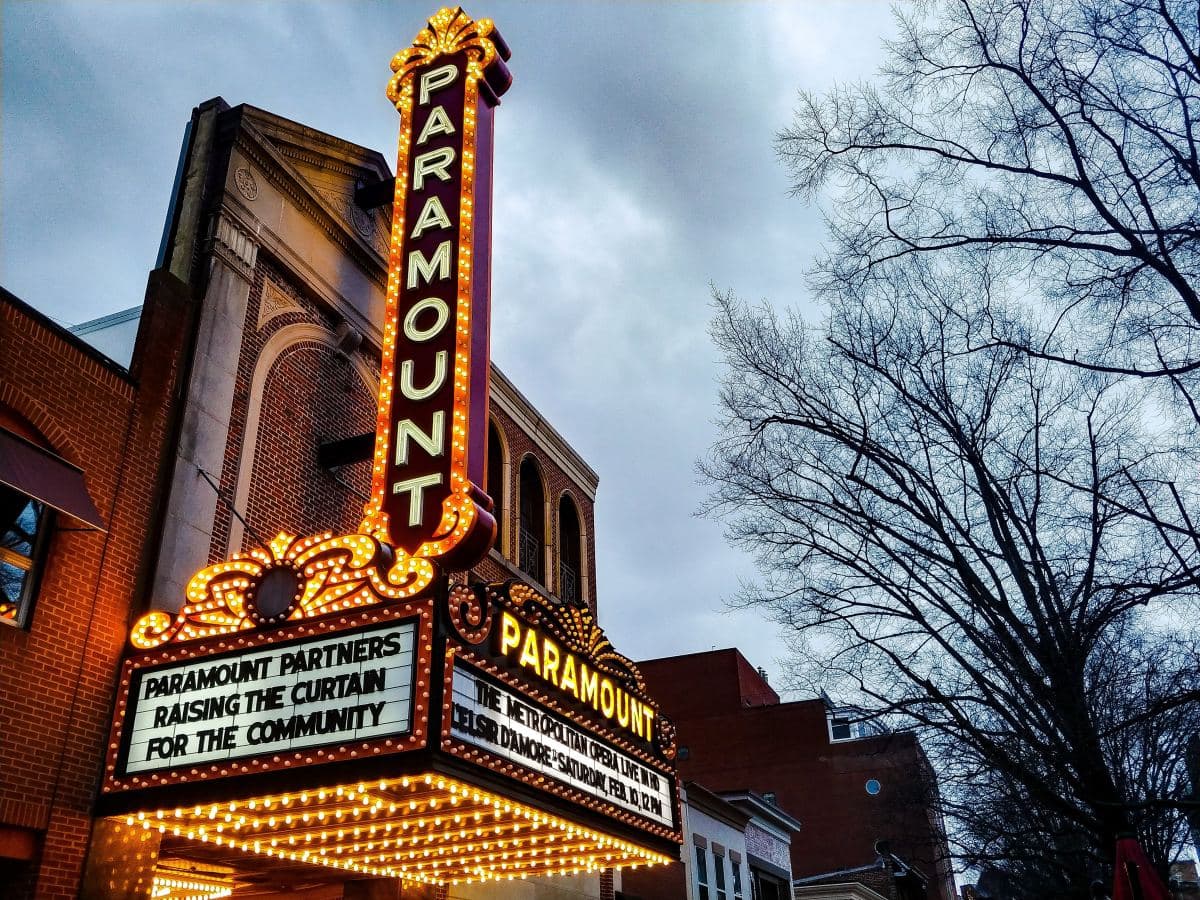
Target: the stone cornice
(293, 138)
(275, 168)
(232, 241)
(517, 407)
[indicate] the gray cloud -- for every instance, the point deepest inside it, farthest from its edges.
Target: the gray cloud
(634, 166)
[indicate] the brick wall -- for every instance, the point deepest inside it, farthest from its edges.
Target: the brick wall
(57, 677)
(517, 445)
(314, 393)
(784, 748)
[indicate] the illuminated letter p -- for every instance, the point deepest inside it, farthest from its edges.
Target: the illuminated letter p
(436, 79)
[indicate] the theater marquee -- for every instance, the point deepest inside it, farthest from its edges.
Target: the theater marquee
(347, 701)
(362, 733)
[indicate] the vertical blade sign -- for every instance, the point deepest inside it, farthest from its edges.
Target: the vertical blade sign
(431, 435)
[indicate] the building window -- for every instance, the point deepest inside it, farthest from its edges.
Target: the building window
(495, 482)
(737, 879)
(701, 874)
(570, 588)
(719, 873)
(840, 729)
(26, 523)
(848, 725)
(531, 537)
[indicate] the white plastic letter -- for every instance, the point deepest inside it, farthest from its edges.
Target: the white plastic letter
(436, 79)
(432, 215)
(433, 162)
(421, 335)
(415, 487)
(428, 268)
(406, 378)
(437, 123)
(433, 443)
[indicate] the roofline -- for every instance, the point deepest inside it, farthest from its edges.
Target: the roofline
(296, 131)
(509, 398)
(117, 318)
(714, 805)
(65, 335)
(763, 808)
(698, 653)
(853, 870)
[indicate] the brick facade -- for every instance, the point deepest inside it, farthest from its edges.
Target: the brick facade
(740, 737)
(57, 676)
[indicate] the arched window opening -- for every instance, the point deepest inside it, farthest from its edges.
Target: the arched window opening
(531, 539)
(570, 573)
(495, 482)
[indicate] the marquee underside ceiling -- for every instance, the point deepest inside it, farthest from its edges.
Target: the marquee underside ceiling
(425, 828)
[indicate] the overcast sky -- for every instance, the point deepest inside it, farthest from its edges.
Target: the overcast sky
(634, 166)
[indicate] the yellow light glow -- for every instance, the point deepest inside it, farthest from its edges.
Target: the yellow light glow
(337, 573)
(425, 828)
(174, 884)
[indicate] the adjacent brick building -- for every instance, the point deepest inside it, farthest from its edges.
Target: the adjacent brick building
(81, 441)
(865, 799)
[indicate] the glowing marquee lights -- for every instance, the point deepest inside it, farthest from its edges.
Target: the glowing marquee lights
(425, 828)
(329, 574)
(431, 432)
(169, 884)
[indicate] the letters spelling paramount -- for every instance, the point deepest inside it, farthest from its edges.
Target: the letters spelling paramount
(419, 472)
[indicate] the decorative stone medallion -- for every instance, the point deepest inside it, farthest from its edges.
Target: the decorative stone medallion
(246, 185)
(362, 222)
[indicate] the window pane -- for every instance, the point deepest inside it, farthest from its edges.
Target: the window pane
(737, 879)
(20, 519)
(532, 520)
(20, 523)
(12, 585)
(719, 871)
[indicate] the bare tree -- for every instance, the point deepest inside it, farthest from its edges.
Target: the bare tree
(960, 534)
(1061, 139)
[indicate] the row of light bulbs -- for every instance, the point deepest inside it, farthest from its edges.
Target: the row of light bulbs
(190, 887)
(441, 832)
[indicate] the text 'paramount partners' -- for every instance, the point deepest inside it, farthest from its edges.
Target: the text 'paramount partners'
(305, 694)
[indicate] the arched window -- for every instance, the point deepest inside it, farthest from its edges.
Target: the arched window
(570, 573)
(532, 536)
(495, 482)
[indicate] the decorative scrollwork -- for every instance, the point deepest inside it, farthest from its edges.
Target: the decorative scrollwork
(666, 737)
(470, 613)
(449, 31)
(575, 627)
(332, 574)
